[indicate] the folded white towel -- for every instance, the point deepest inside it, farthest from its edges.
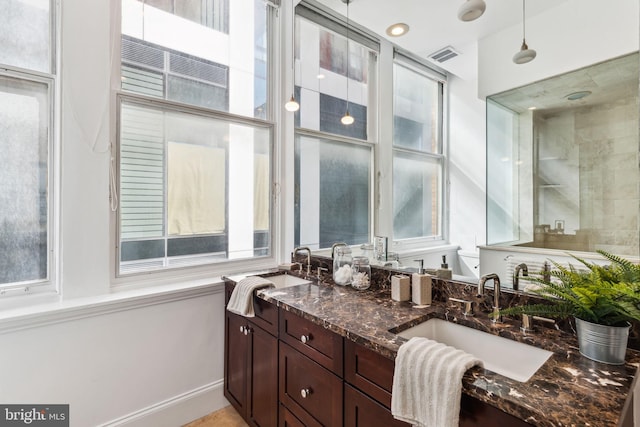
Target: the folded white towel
(241, 300)
(427, 383)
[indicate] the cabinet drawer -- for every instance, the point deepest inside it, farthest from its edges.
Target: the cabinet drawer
(369, 371)
(310, 392)
(362, 411)
(314, 341)
(266, 314)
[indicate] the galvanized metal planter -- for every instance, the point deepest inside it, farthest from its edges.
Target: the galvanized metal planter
(606, 344)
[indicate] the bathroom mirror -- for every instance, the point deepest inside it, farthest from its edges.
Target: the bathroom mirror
(562, 161)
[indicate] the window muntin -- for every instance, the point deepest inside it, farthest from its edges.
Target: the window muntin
(418, 160)
(167, 54)
(26, 34)
(194, 189)
(333, 192)
(321, 79)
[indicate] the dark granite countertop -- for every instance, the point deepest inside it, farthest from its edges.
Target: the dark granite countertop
(568, 390)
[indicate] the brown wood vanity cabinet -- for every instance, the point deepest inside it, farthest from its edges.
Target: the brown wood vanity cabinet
(283, 370)
(251, 363)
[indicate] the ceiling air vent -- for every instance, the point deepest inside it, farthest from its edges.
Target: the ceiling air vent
(444, 54)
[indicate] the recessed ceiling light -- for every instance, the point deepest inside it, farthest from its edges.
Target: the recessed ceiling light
(578, 95)
(397, 30)
(320, 76)
(532, 108)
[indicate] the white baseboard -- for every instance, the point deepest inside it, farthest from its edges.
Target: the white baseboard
(178, 410)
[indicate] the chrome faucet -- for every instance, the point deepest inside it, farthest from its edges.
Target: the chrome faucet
(495, 317)
(516, 275)
(304, 248)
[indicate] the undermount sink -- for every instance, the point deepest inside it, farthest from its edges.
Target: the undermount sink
(286, 280)
(503, 356)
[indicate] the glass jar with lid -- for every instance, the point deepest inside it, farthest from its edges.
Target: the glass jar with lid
(342, 261)
(361, 273)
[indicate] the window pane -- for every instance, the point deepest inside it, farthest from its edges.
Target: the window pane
(321, 73)
(416, 196)
(25, 34)
(416, 110)
(193, 189)
(333, 192)
(24, 153)
(188, 51)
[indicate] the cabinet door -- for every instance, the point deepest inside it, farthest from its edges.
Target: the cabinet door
(362, 411)
(263, 378)
(235, 362)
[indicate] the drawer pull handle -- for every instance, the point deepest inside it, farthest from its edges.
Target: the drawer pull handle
(305, 392)
(305, 338)
(247, 330)
(242, 329)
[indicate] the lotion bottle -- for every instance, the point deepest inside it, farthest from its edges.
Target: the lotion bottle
(421, 285)
(444, 272)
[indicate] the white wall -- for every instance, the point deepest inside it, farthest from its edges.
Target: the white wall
(147, 365)
(572, 35)
(467, 165)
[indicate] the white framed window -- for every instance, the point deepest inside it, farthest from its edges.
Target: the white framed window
(334, 163)
(348, 185)
(195, 139)
(419, 162)
(27, 146)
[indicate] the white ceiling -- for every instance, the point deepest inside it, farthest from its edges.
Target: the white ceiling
(434, 24)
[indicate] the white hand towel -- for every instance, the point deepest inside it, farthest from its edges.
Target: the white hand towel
(427, 383)
(241, 300)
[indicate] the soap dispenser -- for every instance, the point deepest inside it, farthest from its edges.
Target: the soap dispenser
(421, 285)
(444, 272)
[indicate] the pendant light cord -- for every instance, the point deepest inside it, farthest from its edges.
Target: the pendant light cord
(523, 22)
(348, 1)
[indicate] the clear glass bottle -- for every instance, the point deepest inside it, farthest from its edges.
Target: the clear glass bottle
(361, 273)
(342, 262)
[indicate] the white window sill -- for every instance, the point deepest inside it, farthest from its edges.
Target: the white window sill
(43, 309)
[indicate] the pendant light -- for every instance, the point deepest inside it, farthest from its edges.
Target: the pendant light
(471, 9)
(292, 105)
(525, 54)
(347, 119)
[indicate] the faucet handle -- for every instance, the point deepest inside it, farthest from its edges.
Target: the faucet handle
(468, 306)
(527, 323)
(319, 272)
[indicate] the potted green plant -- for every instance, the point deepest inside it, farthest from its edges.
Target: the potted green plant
(602, 299)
